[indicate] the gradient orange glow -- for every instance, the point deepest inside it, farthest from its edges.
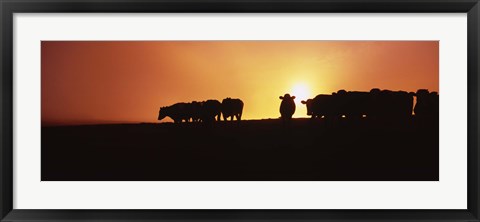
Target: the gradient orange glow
(127, 81)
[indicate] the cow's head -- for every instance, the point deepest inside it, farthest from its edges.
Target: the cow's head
(162, 113)
(308, 103)
(226, 100)
(422, 94)
(287, 97)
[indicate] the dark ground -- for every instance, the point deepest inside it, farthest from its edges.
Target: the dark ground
(252, 150)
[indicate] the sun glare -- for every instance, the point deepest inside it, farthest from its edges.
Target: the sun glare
(301, 91)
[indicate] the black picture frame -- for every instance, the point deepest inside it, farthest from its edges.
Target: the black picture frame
(9, 7)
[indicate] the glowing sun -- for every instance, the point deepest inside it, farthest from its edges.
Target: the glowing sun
(301, 91)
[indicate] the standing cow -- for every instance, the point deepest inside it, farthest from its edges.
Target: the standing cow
(232, 107)
(321, 106)
(427, 105)
(177, 112)
(390, 105)
(211, 111)
(287, 107)
(195, 111)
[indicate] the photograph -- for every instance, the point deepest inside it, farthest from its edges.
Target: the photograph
(240, 110)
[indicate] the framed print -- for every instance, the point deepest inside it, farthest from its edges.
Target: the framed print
(258, 110)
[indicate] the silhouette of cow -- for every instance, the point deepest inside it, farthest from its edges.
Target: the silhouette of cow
(210, 111)
(352, 104)
(321, 106)
(377, 103)
(232, 107)
(287, 107)
(386, 104)
(427, 105)
(195, 111)
(178, 112)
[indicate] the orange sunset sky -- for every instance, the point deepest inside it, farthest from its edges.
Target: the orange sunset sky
(85, 82)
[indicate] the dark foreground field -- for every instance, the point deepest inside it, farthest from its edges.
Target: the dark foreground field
(252, 150)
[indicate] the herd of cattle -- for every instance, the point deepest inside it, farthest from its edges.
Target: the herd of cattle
(376, 104)
(206, 111)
